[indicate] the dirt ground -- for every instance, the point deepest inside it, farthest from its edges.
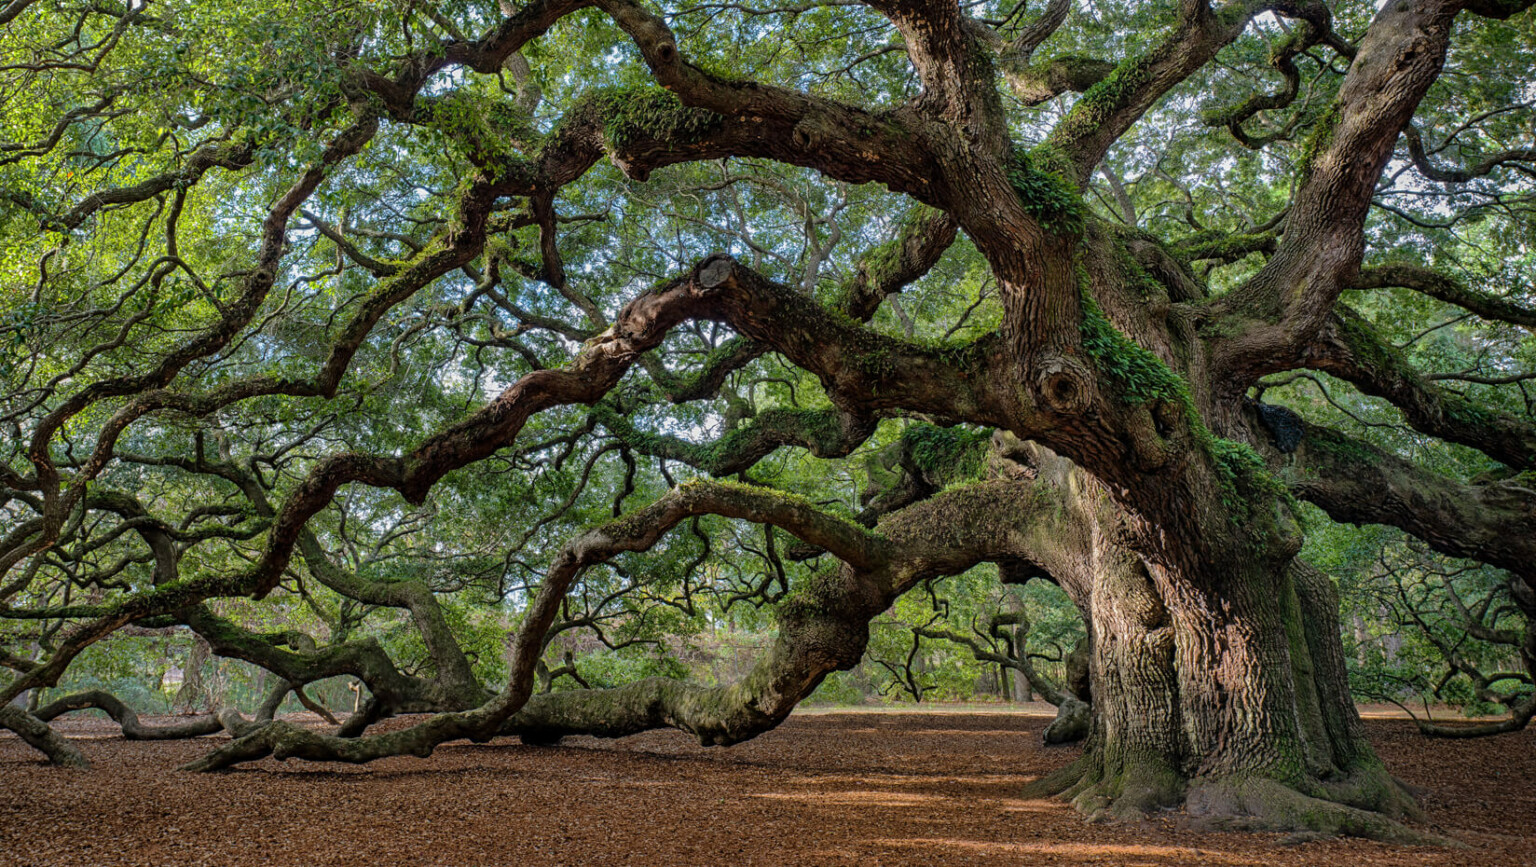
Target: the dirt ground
(824, 789)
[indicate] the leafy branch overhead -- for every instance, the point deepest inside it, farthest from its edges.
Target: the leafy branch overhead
(497, 356)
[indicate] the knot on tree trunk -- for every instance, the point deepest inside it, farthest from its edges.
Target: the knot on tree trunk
(1062, 384)
(715, 271)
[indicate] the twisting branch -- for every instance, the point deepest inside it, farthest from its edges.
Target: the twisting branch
(637, 532)
(1517, 158)
(125, 716)
(1437, 285)
(1355, 482)
(1353, 351)
(1291, 299)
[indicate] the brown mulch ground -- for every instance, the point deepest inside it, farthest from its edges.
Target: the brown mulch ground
(824, 789)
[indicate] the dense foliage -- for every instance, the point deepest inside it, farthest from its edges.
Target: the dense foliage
(592, 366)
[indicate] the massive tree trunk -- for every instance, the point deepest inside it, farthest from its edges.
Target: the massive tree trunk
(1238, 709)
(1218, 681)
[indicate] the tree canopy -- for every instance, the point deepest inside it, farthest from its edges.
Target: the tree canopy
(436, 344)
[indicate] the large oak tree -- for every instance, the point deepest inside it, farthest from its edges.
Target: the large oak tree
(278, 279)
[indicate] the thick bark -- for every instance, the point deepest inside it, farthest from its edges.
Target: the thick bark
(1218, 682)
(1358, 483)
(1238, 710)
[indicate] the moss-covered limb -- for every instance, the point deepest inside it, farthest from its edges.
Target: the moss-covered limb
(863, 371)
(1065, 73)
(1152, 269)
(1109, 108)
(920, 240)
(823, 627)
(42, 737)
(716, 715)
(943, 456)
(1161, 417)
(1224, 247)
(1430, 282)
(1358, 483)
(846, 540)
(123, 715)
(633, 114)
(924, 461)
(825, 433)
(1353, 351)
(693, 115)
(363, 659)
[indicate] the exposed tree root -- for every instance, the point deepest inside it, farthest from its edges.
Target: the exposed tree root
(1128, 796)
(1254, 803)
(1369, 804)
